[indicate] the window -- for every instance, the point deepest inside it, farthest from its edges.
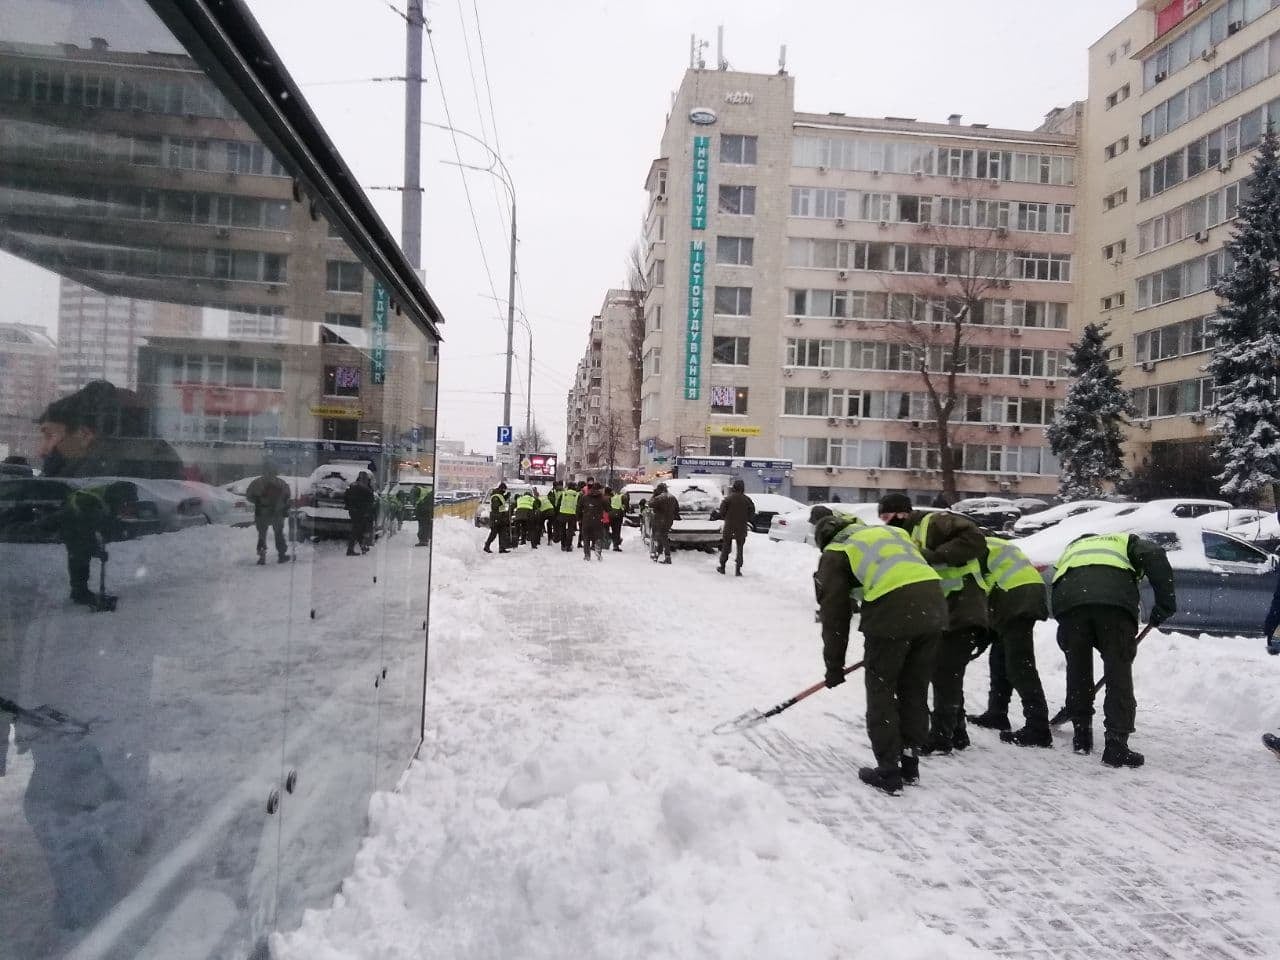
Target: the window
(1042, 266)
(729, 400)
(731, 351)
(733, 301)
(341, 381)
(653, 362)
(816, 202)
(1113, 250)
(736, 200)
(1114, 150)
(657, 273)
(735, 251)
(1119, 96)
(736, 148)
(1113, 200)
(336, 429)
(344, 319)
(343, 276)
(727, 446)
(1113, 301)
(1222, 549)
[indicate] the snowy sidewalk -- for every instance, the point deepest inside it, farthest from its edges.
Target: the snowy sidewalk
(571, 802)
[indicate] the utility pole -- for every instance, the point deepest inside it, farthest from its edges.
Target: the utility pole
(411, 199)
(511, 316)
(528, 395)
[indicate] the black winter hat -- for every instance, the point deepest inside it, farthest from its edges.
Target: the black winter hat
(895, 503)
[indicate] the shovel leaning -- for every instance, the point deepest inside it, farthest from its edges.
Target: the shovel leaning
(1063, 715)
(753, 717)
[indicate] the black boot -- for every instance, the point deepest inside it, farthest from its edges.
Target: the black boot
(990, 720)
(960, 739)
(1029, 736)
(283, 558)
(1272, 743)
(720, 569)
(937, 745)
(1082, 738)
(737, 571)
(890, 781)
(262, 559)
(910, 768)
(1117, 754)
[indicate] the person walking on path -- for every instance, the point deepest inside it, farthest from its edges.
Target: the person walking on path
(271, 498)
(1016, 602)
(664, 510)
(424, 512)
(903, 615)
(591, 511)
(567, 516)
(1095, 600)
(362, 508)
(737, 510)
(499, 519)
(952, 545)
(619, 504)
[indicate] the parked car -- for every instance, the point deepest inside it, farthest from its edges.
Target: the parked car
(1226, 519)
(639, 494)
(794, 526)
(1263, 533)
(1184, 507)
(990, 513)
(514, 489)
(405, 491)
(1030, 505)
(322, 509)
(178, 504)
(28, 506)
(244, 509)
(1224, 585)
(770, 505)
(698, 499)
(1044, 519)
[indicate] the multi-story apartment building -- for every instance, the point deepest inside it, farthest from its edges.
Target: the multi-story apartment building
(192, 256)
(1180, 93)
(28, 382)
(601, 412)
(802, 267)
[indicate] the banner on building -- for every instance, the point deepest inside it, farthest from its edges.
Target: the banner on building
(378, 357)
(334, 411)
(732, 430)
(701, 164)
(693, 324)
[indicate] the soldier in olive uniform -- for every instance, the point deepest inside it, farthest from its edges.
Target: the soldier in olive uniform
(1018, 600)
(547, 514)
(619, 504)
(952, 544)
(903, 615)
(664, 510)
(591, 511)
(1095, 599)
(499, 520)
(525, 510)
(737, 510)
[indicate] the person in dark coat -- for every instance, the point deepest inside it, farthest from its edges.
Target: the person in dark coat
(952, 545)
(362, 507)
(664, 510)
(499, 519)
(903, 616)
(591, 510)
(548, 517)
(737, 510)
(424, 508)
(1017, 600)
(96, 432)
(1095, 600)
(619, 504)
(271, 498)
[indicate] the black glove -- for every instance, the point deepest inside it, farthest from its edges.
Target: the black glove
(1273, 644)
(834, 678)
(1156, 619)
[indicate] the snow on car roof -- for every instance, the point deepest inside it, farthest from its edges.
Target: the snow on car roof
(774, 502)
(1225, 519)
(1182, 537)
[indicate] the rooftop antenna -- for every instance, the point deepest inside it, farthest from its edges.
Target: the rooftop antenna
(696, 47)
(782, 60)
(721, 62)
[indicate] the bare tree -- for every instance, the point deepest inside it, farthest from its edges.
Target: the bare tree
(639, 287)
(533, 441)
(968, 266)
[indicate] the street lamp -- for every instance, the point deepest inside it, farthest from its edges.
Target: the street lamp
(508, 182)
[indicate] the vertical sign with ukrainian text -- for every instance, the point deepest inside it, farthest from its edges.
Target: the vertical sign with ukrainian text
(701, 164)
(693, 325)
(378, 360)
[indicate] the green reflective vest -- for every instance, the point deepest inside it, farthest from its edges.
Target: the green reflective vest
(1101, 550)
(424, 493)
(843, 535)
(883, 559)
(1008, 566)
(569, 501)
(549, 502)
(502, 503)
(524, 502)
(616, 502)
(952, 577)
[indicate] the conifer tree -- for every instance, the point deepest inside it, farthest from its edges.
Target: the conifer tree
(1246, 360)
(1086, 433)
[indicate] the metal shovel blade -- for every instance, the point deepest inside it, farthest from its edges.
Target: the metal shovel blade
(741, 722)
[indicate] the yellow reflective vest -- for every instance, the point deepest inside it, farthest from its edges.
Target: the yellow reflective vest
(1102, 550)
(616, 502)
(524, 502)
(952, 577)
(883, 559)
(569, 501)
(1008, 566)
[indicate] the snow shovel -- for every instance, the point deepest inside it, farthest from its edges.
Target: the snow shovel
(753, 717)
(104, 603)
(1063, 715)
(44, 717)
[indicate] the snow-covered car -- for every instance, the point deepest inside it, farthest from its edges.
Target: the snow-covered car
(1223, 584)
(1184, 508)
(697, 499)
(179, 504)
(794, 527)
(514, 489)
(29, 505)
(1044, 519)
(405, 492)
(1263, 533)
(990, 513)
(638, 493)
(770, 505)
(323, 510)
(1227, 519)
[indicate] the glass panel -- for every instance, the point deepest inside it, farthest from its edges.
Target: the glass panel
(174, 350)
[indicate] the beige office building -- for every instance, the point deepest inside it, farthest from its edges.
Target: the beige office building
(1180, 94)
(802, 266)
(601, 411)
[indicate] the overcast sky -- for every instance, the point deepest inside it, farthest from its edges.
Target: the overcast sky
(580, 92)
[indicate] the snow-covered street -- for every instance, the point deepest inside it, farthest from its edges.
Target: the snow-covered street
(570, 800)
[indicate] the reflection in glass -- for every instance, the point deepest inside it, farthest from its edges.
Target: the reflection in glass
(211, 627)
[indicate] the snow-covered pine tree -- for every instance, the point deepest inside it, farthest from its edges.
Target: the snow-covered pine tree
(1086, 434)
(1246, 360)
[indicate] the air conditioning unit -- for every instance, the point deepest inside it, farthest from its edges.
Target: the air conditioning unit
(661, 198)
(839, 221)
(1148, 366)
(831, 421)
(919, 174)
(1160, 77)
(872, 472)
(222, 233)
(1144, 140)
(1144, 424)
(830, 470)
(1017, 428)
(942, 281)
(884, 224)
(1017, 331)
(843, 275)
(1050, 384)
(1025, 381)
(995, 182)
(788, 372)
(840, 321)
(1224, 166)
(826, 374)
(1234, 27)
(915, 424)
(822, 168)
(796, 321)
(955, 178)
(1002, 232)
(853, 421)
(1197, 418)
(1005, 283)
(992, 427)
(1202, 236)
(1118, 259)
(984, 379)
(1208, 53)
(875, 173)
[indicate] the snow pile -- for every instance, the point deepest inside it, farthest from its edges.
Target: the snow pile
(560, 811)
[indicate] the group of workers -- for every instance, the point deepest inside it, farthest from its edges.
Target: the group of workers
(590, 513)
(934, 592)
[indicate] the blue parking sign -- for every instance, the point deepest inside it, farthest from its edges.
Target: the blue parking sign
(504, 434)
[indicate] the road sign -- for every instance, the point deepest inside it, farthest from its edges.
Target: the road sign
(659, 459)
(504, 434)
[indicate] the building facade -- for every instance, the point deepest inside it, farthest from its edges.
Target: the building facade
(463, 471)
(602, 408)
(804, 268)
(1180, 93)
(28, 382)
